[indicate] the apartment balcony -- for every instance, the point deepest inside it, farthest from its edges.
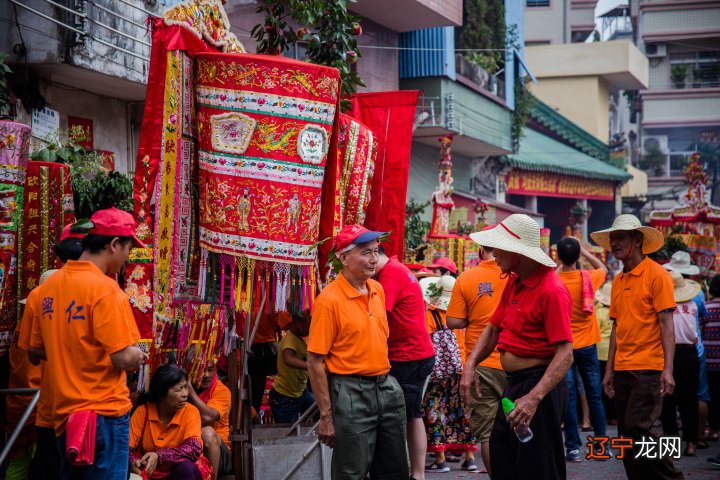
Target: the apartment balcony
(101, 46)
(681, 107)
(681, 20)
(479, 121)
(409, 15)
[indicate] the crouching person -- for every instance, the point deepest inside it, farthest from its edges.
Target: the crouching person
(213, 401)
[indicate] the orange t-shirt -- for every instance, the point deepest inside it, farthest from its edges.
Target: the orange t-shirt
(84, 317)
(221, 401)
(585, 330)
(636, 300)
(351, 329)
(33, 307)
(146, 427)
(432, 328)
(23, 374)
(475, 296)
(270, 325)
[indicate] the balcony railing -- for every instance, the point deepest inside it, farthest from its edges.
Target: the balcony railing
(102, 32)
(479, 76)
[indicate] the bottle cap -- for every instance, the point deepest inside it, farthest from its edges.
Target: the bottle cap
(507, 405)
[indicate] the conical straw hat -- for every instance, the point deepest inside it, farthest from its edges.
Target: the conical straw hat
(652, 238)
(685, 290)
(518, 233)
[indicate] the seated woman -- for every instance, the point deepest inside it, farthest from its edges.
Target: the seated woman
(165, 434)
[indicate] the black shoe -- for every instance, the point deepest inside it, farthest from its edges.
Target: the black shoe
(436, 467)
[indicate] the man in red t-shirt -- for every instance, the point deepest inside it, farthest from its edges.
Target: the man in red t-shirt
(410, 349)
(531, 329)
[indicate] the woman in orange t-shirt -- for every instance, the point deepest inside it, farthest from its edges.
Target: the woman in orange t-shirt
(165, 430)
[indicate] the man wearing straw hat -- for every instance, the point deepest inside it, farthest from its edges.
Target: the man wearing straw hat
(362, 408)
(642, 341)
(475, 297)
(531, 329)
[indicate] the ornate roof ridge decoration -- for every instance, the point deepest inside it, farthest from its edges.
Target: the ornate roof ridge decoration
(550, 118)
(207, 20)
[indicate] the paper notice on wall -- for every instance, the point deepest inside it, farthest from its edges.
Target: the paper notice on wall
(45, 123)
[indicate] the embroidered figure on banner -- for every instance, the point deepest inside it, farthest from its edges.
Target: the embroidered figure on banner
(293, 210)
(243, 209)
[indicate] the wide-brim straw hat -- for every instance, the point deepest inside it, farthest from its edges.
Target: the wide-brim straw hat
(446, 282)
(681, 262)
(653, 239)
(685, 290)
(603, 294)
(519, 234)
(43, 276)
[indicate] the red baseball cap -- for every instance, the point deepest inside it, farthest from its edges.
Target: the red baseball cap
(354, 235)
(445, 263)
(112, 222)
(66, 233)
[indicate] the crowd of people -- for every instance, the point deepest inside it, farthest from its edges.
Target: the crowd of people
(76, 341)
(515, 357)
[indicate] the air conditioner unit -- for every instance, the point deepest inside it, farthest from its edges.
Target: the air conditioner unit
(660, 140)
(656, 50)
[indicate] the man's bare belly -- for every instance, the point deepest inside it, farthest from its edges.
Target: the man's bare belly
(513, 363)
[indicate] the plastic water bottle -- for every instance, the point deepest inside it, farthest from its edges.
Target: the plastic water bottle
(523, 435)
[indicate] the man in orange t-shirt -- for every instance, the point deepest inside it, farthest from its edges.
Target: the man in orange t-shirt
(582, 285)
(87, 333)
(474, 299)
(362, 408)
(213, 400)
(642, 341)
(45, 462)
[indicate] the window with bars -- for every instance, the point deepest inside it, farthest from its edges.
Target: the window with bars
(537, 3)
(703, 68)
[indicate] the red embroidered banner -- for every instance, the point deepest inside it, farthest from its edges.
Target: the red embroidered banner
(14, 146)
(48, 207)
(348, 181)
(264, 132)
(164, 39)
(390, 116)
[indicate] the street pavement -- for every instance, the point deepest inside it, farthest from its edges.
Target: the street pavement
(695, 468)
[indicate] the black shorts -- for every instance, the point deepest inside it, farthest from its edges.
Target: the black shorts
(412, 377)
(226, 465)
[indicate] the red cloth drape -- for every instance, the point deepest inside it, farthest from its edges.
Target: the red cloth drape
(164, 39)
(390, 115)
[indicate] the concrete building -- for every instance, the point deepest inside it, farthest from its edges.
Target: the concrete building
(87, 60)
(90, 59)
(588, 71)
(556, 22)
(681, 104)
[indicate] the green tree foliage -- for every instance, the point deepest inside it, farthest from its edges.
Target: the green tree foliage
(93, 188)
(483, 25)
(327, 27)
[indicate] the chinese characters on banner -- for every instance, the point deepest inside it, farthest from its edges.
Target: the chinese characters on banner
(554, 185)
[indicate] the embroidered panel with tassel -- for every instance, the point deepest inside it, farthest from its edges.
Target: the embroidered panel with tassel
(264, 130)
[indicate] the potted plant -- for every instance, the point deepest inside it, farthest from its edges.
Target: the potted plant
(678, 74)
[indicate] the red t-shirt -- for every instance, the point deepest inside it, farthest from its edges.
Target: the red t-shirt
(405, 307)
(533, 315)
